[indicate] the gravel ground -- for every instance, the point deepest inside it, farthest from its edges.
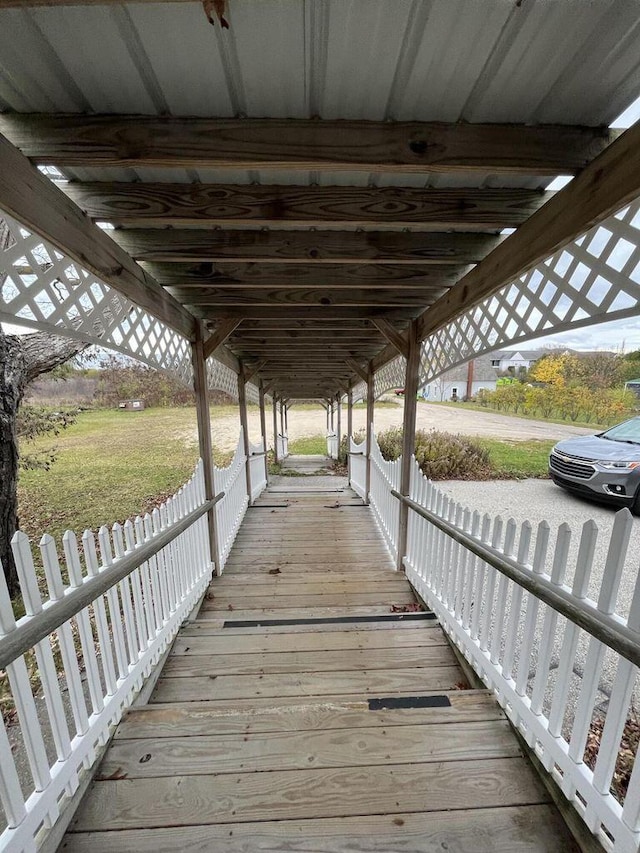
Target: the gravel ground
(538, 500)
(309, 422)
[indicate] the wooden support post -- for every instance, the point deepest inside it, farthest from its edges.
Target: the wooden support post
(408, 435)
(282, 420)
(263, 429)
(326, 405)
(286, 420)
(204, 438)
(275, 429)
(349, 430)
(338, 422)
(368, 442)
(244, 422)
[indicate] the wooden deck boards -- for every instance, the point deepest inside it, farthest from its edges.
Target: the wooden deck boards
(273, 725)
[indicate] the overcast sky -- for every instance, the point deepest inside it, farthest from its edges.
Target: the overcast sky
(619, 335)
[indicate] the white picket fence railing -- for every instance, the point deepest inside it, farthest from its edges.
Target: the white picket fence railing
(332, 445)
(231, 509)
(385, 476)
(500, 593)
(358, 467)
(124, 601)
(258, 469)
(283, 446)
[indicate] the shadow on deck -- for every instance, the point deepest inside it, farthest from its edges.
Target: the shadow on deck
(299, 713)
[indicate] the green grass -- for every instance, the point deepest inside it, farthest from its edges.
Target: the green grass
(110, 465)
(312, 445)
(518, 459)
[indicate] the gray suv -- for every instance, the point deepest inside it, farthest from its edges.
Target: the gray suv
(604, 466)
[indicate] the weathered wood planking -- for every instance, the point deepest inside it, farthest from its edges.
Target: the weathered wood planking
(271, 663)
(303, 794)
(523, 829)
(157, 204)
(306, 144)
(260, 736)
(208, 626)
(378, 682)
(200, 755)
(286, 602)
(313, 247)
(299, 715)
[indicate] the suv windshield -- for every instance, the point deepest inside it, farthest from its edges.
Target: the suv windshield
(628, 431)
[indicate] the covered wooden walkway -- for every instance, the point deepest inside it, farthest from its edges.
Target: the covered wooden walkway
(309, 707)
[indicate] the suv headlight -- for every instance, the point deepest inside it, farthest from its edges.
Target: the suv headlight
(619, 466)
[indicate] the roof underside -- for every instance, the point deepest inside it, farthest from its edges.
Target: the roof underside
(312, 251)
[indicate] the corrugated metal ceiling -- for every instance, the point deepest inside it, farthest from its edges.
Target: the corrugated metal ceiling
(567, 61)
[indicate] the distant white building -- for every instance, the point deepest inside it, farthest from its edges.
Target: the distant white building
(512, 361)
(462, 381)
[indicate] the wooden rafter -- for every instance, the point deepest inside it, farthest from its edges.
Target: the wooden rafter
(327, 296)
(288, 312)
(219, 336)
(303, 275)
(394, 337)
(157, 204)
(43, 208)
(310, 247)
(357, 369)
(401, 147)
(605, 185)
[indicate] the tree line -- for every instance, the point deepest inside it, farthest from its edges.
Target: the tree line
(586, 387)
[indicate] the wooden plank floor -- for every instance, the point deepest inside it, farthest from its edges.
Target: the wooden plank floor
(299, 713)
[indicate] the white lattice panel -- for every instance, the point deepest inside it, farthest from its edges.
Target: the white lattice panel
(43, 289)
(594, 279)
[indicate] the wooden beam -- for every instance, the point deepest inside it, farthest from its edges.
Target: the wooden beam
(250, 371)
(395, 338)
(606, 185)
(369, 146)
(219, 336)
(303, 275)
(43, 208)
(199, 361)
(329, 297)
(327, 323)
(357, 369)
(158, 204)
(310, 247)
(288, 312)
(244, 424)
(412, 375)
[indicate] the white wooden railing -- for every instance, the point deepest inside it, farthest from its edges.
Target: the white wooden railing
(332, 445)
(502, 595)
(358, 467)
(283, 446)
(385, 476)
(258, 469)
(124, 601)
(230, 511)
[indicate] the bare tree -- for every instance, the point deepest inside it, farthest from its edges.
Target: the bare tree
(22, 359)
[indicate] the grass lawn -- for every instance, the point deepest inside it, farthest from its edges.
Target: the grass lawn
(110, 465)
(312, 445)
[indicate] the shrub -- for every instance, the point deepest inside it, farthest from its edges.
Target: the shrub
(440, 455)
(358, 437)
